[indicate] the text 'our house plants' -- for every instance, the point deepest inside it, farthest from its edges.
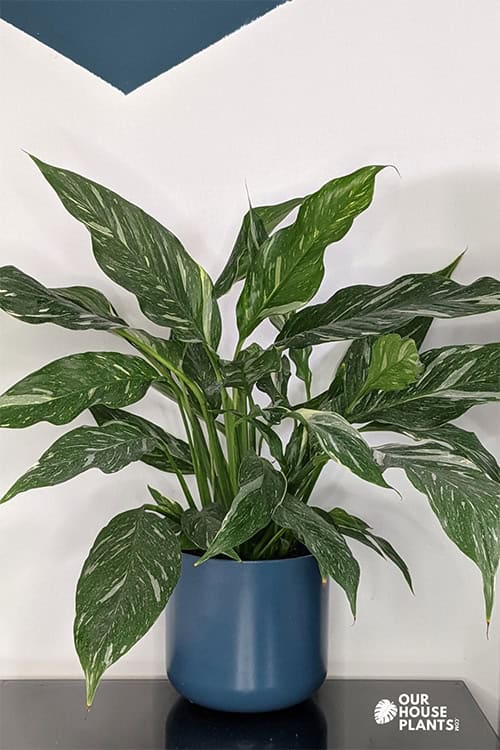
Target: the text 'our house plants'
(252, 497)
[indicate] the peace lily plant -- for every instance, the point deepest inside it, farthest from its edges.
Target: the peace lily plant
(247, 506)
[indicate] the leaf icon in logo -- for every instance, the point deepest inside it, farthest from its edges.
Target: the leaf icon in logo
(385, 711)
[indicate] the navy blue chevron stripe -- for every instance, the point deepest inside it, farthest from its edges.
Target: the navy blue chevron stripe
(129, 42)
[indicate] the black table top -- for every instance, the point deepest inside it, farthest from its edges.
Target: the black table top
(149, 715)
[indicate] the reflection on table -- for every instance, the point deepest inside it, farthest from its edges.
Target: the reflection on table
(190, 727)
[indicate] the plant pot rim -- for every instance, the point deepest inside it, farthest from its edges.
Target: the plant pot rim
(227, 560)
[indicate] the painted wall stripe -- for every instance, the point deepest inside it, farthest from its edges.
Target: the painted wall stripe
(129, 42)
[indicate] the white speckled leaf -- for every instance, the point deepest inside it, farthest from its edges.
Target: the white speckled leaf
(355, 528)
(465, 500)
(59, 391)
(262, 488)
(250, 365)
(287, 269)
(108, 448)
(453, 440)
(322, 539)
(164, 442)
(75, 307)
(124, 585)
(265, 219)
(343, 443)
(141, 255)
(369, 310)
(455, 378)
(201, 526)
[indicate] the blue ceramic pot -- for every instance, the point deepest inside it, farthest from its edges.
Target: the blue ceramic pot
(249, 636)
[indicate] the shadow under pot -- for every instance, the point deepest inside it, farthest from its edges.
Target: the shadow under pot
(249, 636)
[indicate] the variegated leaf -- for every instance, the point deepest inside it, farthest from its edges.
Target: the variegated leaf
(300, 357)
(170, 507)
(322, 539)
(355, 528)
(288, 268)
(164, 445)
(262, 488)
(369, 310)
(250, 365)
(455, 378)
(201, 526)
(465, 500)
(453, 439)
(124, 585)
(341, 442)
(108, 448)
(385, 363)
(74, 307)
(138, 253)
(351, 372)
(394, 364)
(417, 328)
(199, 368)
(59, 391)
(257, 223)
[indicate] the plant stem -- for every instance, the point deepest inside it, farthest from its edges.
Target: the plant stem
(260, 552)
(182, 481)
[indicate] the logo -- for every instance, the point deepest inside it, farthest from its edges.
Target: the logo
(385, 711)
(415, 714)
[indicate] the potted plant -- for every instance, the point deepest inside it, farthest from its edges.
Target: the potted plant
(247, 621)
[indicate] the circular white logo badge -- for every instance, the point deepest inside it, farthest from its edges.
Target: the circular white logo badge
(385, 711)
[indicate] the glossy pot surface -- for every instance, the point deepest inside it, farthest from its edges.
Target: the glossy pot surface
(248, 636)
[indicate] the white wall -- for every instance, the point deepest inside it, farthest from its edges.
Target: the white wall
(314, 89)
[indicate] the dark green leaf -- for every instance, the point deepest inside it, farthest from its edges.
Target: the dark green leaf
(356, 528)
(321, 538)
(267, 385)
(271, 438)
(201, 526)
(288, 269)
(198, 368)
(108, 448)
(454, 439)
(351, 372)
(138, 253)
(384, 363)
(59, 391)
(164, 443)
(455, 379)
(300, 358)
(74, 307)
(257, 224)
(465, 500)
(124, 586)
(282, 377)
(343, 443)
(261, 489)
(363, 310)
(250, 365)
(171, 507)
(417, 328)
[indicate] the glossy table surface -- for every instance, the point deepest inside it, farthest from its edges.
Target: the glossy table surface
(149, 715)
